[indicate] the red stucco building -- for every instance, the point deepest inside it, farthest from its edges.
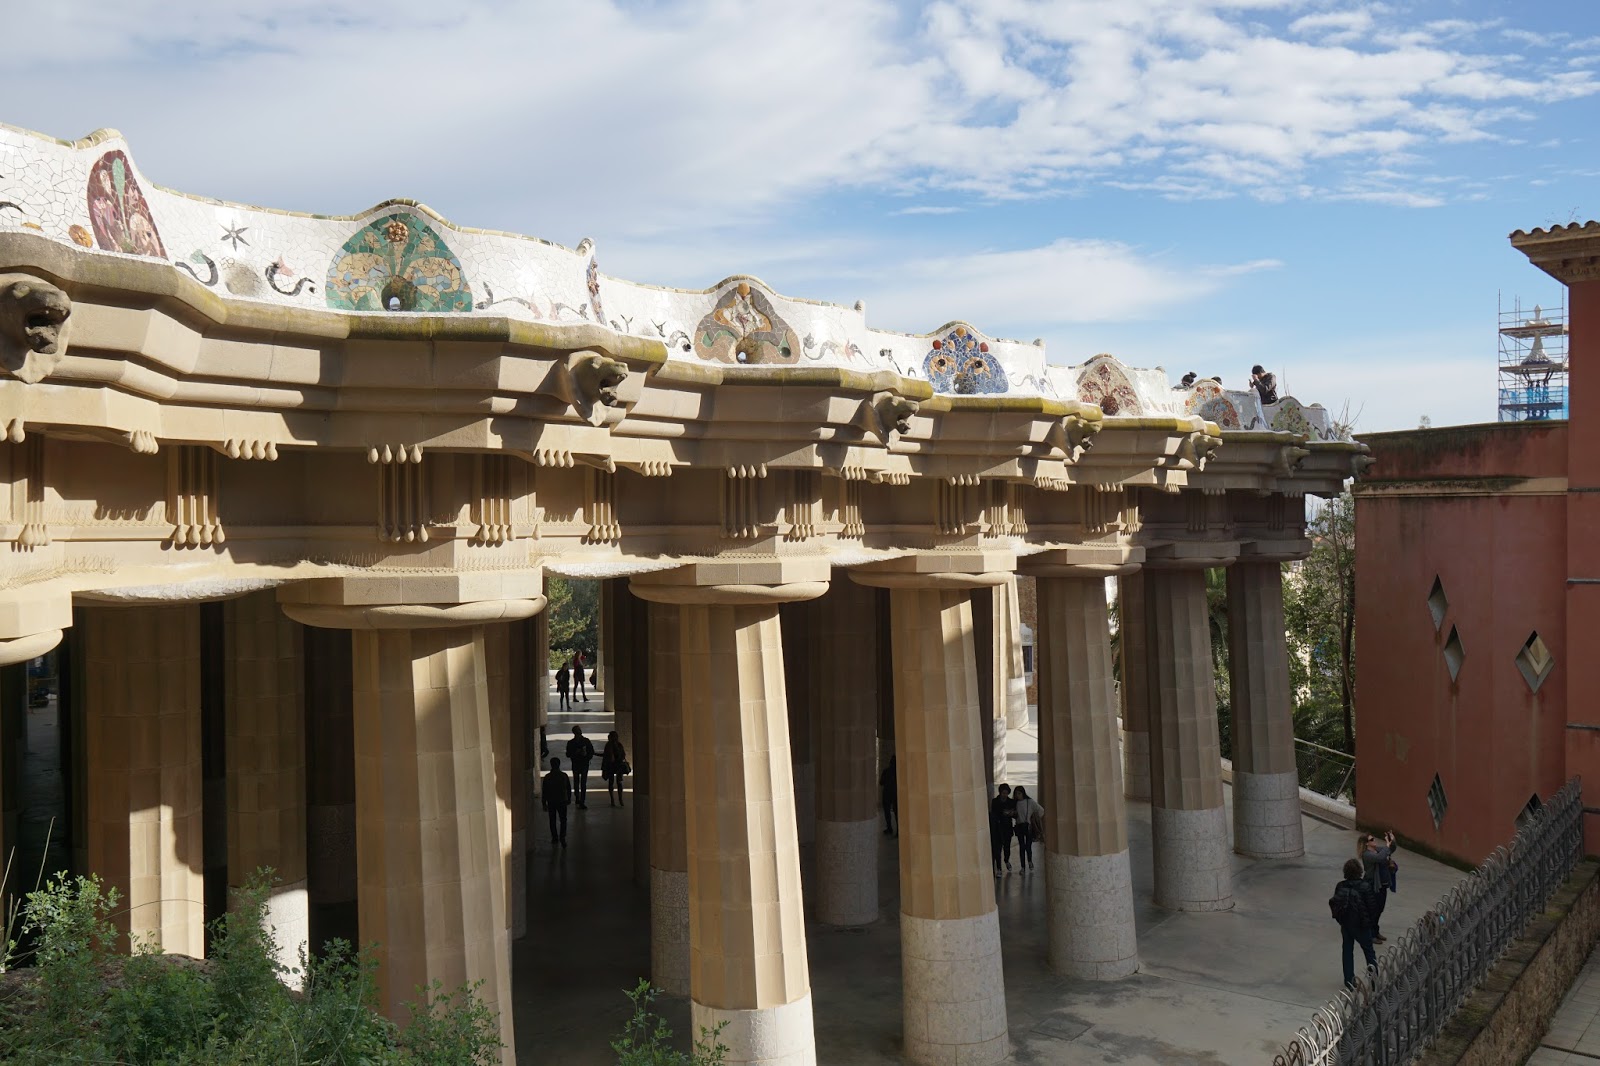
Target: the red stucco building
(1478, 603)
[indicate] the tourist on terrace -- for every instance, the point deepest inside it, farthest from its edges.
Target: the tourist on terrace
(1002, 812)
(1188, 380)
(1377, 859)
(1355, 905)
(888, 786)
(580, 750)
(564, 686)
(577, 677)
(555, 795)
(1265, 384)
(1029, 818)
(613, 767)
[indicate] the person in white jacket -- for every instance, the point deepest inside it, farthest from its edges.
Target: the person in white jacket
(1029, 817)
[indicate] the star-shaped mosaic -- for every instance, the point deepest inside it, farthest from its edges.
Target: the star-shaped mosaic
(236, 234)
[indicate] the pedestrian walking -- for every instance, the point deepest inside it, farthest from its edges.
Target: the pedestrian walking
(564, 686)
(1002, 813)
(614, 767)
(580, 751)
(577, 678)
(1377, 865)
(1354, 905)
(888, 792)
(1030, 820)
(555, 795)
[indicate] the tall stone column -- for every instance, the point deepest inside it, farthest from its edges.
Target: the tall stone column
(669, 857)
(953, 988)
(264, 701)
(639, 751)
(330, 787)
(525, 692)
(1189, 825)
(1135, 686)
(747, 946)
(1086, 837)
(991, 685)
(497, 690)
(799, 682)
(142, 681)
(1266, 786)
(1008, 619)
(846, 658)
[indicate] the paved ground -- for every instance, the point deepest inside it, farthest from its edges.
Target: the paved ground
(1223, 989)
(1574, 1036)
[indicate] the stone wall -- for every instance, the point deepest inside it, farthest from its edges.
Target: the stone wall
(1504, 1019)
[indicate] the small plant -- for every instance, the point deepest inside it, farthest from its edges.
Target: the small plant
(646, 1040)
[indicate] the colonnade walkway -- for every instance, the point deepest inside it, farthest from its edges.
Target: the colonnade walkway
(1213, 988)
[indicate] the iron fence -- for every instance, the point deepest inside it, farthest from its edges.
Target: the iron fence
(1426, 973)
(1325, 770)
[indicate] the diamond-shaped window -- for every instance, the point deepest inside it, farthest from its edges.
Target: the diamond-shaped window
(1535, 661)
(1529, 809)
(1437, 804)
(1438, 604)
(1454, 653)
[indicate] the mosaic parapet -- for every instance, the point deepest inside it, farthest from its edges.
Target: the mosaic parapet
(399, 257)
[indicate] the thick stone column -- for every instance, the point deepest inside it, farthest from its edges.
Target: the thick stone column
(953, 988)
(669, 858)
(1189, 825)
(991, 685)
(800, 638)
(747, 946)
(431, 873)
(1266, 786)
(497, 690)
(1135, 686)
(330, 787)
(264, 700)
(1086, 837)
(846, 658)
(1008, 610)
(525, 691)
(142, 681)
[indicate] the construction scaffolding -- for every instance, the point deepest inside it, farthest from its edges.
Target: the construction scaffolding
(1533, 362)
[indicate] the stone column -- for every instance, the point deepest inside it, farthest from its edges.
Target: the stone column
(497, 691)
(1189, 825)
(991, 686)
(1135, 686)
(1086, 827)
(1266, 786)
(747, 945)
(953, 988)
(541, 705)
(142, 681)
(799, 670)
(330, 788)
(525, 692)
(846, 658)
(1008, 622)
(669, 858)
(264, 700)
(639, 751)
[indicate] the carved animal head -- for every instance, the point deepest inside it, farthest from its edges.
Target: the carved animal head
(597, 377)
(1079, 434)
(33, 326)
(895, 412)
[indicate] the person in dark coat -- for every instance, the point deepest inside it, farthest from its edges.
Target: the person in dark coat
(888, 786)
(1002, 813)
(564, 686)
(1265, 384)
(577, 678)
(555, 795)
(613, 761)
(580, 752)
(1355, 904)
(1377, 858)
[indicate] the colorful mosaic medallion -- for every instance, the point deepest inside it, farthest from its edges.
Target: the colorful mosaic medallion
(1209, 402)
(960, 363)
(397, 263)
(117, 209)
(743, 328)
(1290, 418)
(1102, 382)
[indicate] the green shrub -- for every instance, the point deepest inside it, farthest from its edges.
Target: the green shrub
(646, 1040)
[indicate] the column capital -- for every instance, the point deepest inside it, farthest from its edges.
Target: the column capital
(415, 601)
(735, 581)
(1191, 555)
(31, 626)
(984, 568)
(1085, 561)
(411, 615)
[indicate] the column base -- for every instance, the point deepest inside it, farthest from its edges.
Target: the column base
(1266, 815)
(1193, 862)
(847, 872)
(1091, 916)
(669, 931)
(1136, 764)
(953, 991)
(517, 887)
(288, 916)
(768, 1036)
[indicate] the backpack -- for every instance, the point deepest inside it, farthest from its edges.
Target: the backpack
(1339, 904)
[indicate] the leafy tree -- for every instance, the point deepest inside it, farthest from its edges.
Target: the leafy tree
(574, 612)
(1319, 606)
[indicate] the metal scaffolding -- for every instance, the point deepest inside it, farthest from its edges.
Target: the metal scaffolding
(1533, 363)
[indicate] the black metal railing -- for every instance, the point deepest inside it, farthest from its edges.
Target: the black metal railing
(1422, 979)
(1326, 770)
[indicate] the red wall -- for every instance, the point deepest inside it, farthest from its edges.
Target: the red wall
(1461, 504)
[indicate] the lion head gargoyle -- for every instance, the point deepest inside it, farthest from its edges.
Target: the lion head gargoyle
(896, 412)
(597, 377)
(33, 326)
(1079, 434)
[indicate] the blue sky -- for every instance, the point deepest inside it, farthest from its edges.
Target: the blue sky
(1321, 186)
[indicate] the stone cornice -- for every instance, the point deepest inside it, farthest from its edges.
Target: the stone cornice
(1569, 253)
